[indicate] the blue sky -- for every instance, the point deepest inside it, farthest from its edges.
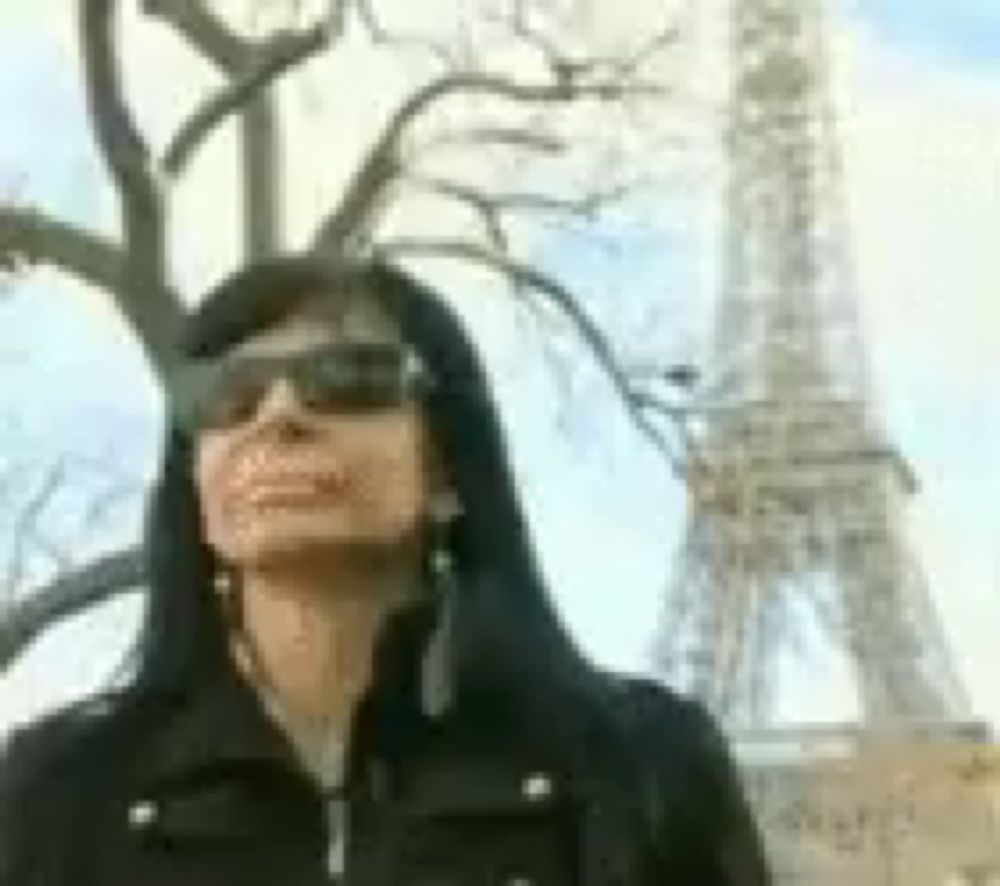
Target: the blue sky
(924, 78)
(46, 153)
(962, 32)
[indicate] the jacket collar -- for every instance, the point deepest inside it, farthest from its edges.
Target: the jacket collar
(221, 722)
(217, 725)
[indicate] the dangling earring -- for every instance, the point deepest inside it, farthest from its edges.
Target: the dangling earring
(444, 510)
(437, 683)
(225, 586)
(222, 582)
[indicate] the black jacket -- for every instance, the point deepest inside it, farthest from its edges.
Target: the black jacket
(204, 790)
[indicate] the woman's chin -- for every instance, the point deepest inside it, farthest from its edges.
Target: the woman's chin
(272, 549)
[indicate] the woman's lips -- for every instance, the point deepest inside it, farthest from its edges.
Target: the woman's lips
(276, 496)
(277, 490)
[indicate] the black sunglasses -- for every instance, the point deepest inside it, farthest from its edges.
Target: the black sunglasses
(354, 377)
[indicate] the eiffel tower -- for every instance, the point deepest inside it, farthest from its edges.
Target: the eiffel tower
(795, 492)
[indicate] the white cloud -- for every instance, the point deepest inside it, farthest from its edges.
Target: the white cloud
(923, 156)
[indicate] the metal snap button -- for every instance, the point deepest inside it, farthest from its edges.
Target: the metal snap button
(142, 814)
(98, 707)
(537, 786)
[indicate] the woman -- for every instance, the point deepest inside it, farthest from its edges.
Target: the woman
(350, 670)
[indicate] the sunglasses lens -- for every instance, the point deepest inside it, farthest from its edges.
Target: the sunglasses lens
(234, 396)
(355, 378)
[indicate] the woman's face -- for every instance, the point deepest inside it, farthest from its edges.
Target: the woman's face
(289, 483)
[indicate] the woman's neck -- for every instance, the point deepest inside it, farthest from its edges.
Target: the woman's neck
(307, 643)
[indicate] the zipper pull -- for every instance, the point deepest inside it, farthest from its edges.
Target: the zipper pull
(335, 809)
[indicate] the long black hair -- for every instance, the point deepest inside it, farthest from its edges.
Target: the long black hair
(506, 626)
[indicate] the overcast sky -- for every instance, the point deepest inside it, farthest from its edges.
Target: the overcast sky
(918, 87)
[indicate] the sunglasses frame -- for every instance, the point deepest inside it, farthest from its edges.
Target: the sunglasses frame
(198, 383)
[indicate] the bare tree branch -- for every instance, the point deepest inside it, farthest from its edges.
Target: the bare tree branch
(249, 67)
(142, 292)
(382, 165)
(527, 276)
(681, 466)
(555, 59)
(502, 136)
(99, 509)
(628, 66)
(21, 622)
(203, 29)
(197, 24)
(124, 150)
(383, 37)
(619, 66)
(336, 17)
(506, 88)
(280, 55)
(261, 176)
(488, 210)
(587, 205)
(29, 237)
(25, 527)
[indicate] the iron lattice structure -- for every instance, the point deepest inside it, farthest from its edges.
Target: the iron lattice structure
(795, 495)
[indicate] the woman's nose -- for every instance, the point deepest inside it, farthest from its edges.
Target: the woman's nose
(279, 401)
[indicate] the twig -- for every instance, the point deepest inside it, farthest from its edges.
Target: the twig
(383, 37)
(506, 136)
(586, 206)
(25, 525)
(619, 66)
(489, 212)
